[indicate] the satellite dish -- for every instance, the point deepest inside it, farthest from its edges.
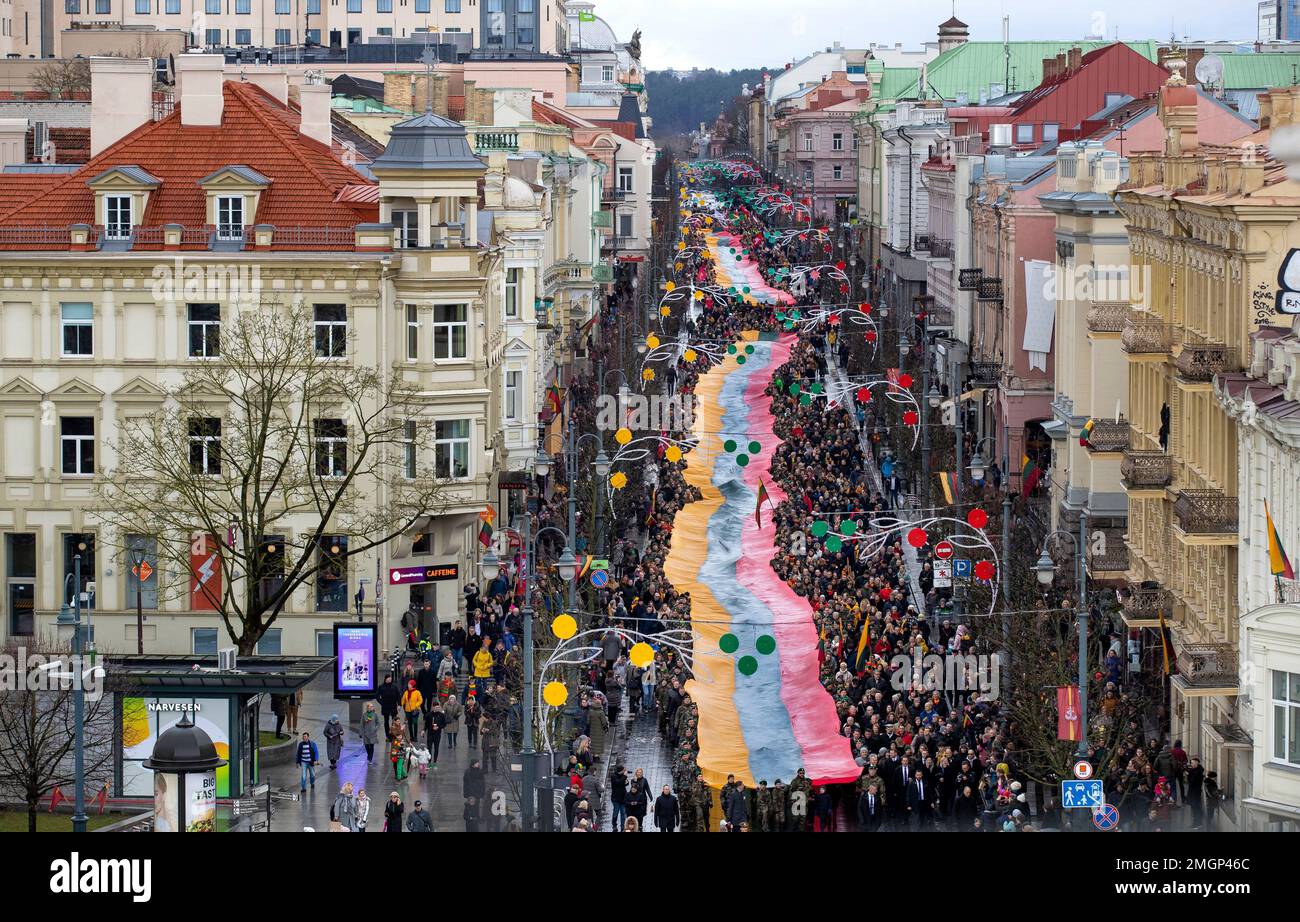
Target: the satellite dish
(1209, 71)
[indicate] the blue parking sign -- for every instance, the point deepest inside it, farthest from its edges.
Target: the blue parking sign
(961, 567)
(1082, 795)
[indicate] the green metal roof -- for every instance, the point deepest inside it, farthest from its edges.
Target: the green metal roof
(1259, 71)
(974, 66)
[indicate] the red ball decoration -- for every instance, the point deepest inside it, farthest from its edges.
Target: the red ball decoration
(834, 319)
(840, 265)
(870, 336)
(864, 395)
(909, 418)
(917, 537)
(984, 570)
(865, 308)
(904, 381)
(977, 518)
(884, 592)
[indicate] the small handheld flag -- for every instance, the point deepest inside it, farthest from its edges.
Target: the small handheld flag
(758, 506)
(1278, 562)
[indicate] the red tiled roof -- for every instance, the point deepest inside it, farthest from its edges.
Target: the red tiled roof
(624, 130)
(255, 131)
(18, 188)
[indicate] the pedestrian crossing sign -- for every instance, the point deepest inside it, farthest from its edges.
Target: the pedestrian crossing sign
(1082, 795)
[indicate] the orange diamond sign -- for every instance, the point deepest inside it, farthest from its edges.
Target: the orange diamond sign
(143, 572)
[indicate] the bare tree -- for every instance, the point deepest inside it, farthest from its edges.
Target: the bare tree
(281, 455)
(37, 730)
(63, 78)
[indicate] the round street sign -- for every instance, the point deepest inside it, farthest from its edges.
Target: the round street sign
(943, 550)
(599, 578)
(1083, 770)
(1105, 817)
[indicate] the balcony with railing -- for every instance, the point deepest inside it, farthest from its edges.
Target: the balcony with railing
(1143, 606)
(921, 243)
(940, 248)
(1113, 557)
(496, 140)
(1206, 512)
(1206, 669)
(969, 279)
(1144, 334)
(985, 372)
(1108, 435)
(989, 289)
(1201, 359)
(938, 317)
(1108, 316)
(1146, 470)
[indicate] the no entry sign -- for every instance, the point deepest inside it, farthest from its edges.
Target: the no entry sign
(943, 550)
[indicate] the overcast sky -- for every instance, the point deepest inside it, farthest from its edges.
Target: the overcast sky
(752, 33)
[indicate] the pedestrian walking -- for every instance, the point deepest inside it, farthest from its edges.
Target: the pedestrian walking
(452, 711)
(393, 811)
(667, 812)
(370, 731)
(333, 739)
(307, 756)
(412, 702)
(345, 809)
(419, 820)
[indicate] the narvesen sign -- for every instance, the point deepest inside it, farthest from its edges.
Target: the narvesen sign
(103, 875)
(405, 576)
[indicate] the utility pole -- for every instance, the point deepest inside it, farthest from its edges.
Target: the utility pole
(78, 701)
(1082, 603)
(925, 414)
(571, 462)
(1006, 559)
(528, 798)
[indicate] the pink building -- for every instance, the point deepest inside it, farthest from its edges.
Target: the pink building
(817, 148)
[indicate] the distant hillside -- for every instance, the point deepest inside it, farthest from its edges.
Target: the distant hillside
(679, 104)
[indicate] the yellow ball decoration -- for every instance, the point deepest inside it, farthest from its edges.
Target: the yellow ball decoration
(677, 266)
(681, 244)
(699, 296)
(623, 436)
(641, 655)
(648, 374)
(564, 626)
(669, 286)
(663, 312)
(673, 453)
(555, 694)
(618, 480)
(652, 341)
(690, 355)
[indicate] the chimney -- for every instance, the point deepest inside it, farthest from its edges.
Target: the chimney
(121, 99)
(272, 79)
(13, 141)
(1049, 69)
(1075, 60)
(200, 77)
(314, 98)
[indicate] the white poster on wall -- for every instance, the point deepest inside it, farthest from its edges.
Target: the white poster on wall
(1040, 311)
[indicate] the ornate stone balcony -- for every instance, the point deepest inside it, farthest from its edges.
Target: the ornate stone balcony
(990, 289)
(1143, 606)
(1208, 668)
(1146, 470)
(969, 279)
(1108, 316)
(1108, 435)
(1146, 335)
(985, 372)
(1206, 512)
(1201, 359)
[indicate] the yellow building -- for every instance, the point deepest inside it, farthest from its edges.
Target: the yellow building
(1208, 227)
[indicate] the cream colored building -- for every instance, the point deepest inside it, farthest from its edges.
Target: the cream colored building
(1092, 303)
(404, 269)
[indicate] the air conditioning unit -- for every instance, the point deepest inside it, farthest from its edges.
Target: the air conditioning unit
(226, 661)
(999, 136)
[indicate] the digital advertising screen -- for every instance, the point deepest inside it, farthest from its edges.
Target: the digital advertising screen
(356, 647)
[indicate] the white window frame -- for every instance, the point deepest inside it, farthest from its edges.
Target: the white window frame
(513, 393)
(837, 171)
(626, 179)
(205, 328)
(1281, 717)
(408, 228)
(412, 332)
(837, 141)
(410, 448)
(808, 142)
(79, 441)
(335, 333)
(626, 226)
(226, 209)
(331, 449)
(118, 217)
(448, 329)
(513, 290)
(607, 73)
(446, 446)
(208, 442)
(79, 323)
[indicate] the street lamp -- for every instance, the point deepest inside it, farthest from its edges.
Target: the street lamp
(978, 466)
(1046, 571)
(542, 463)
(602, 464)
(568, 565)
(934, 397)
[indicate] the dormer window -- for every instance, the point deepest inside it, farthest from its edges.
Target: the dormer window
(230, 217)
(117, 217)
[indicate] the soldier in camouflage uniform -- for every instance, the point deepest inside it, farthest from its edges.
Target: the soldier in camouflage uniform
(780, 798)
(703, 804)
(763, 811)
(801, 798)
(686, 801)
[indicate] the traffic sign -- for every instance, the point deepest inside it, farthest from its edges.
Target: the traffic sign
(942, 574)
(961, 568)
(1083, 770)
(1087, 795)
(599, 578)
(143, 571)
(943, 550)
(1105, 817)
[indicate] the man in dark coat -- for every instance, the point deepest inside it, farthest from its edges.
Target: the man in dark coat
(387, 697)
(736, 807)
(667, 813)
(871, 809)
(920, 802)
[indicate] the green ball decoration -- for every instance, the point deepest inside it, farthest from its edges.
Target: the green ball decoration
(848, 528)
(789, 324)
(729, 643)
(746, 289)
(805, 400)
(742, 460)
(817, 388)
(797, 315)
(778, 385)
(819, 529)
(749, 350)
(794, 389)
(755, 448)
(833, 544)
(747, 665)
(740, 360)
(765, 644)
(729, 445)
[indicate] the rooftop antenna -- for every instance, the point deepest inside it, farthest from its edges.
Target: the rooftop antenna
(1006, 48)
(428, 58)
